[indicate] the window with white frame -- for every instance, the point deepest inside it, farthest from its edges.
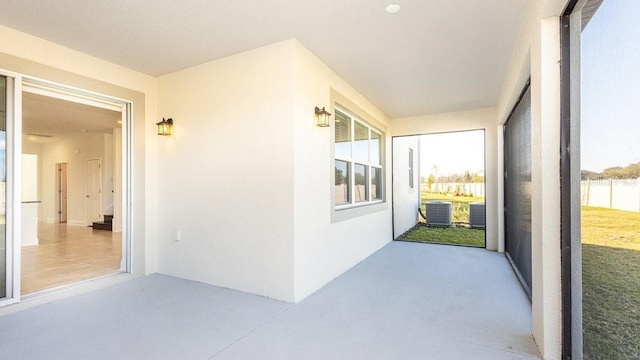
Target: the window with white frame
(410, 168)
(358, 161)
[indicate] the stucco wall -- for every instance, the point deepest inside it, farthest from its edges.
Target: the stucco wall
(537, 56)
(226, 175)
(406, 199)
(328, 243)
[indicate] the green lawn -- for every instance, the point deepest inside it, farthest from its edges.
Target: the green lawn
(450, 236)
(611, 283)
(459, 204)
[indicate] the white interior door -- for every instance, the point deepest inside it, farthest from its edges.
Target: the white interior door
(94, 190)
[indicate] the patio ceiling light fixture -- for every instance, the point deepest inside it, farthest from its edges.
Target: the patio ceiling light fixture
(322, 116)
(165, 127)
(393, 8)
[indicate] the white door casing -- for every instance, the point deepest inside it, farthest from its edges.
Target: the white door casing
(94, 190)
(62, 192)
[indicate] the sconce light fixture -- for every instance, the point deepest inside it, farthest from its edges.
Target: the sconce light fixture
(322, 116)
(165, 127)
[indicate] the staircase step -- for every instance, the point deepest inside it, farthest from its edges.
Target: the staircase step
(102, 226)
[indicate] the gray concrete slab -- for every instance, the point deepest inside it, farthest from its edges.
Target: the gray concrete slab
(407, 301)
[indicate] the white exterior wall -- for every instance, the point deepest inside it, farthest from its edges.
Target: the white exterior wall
(537, 55)
(460, 121)
(261, 220)
(406, 199)
(325, 246)
(29, 55)
(226, 175)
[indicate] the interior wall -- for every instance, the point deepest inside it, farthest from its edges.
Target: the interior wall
(406, 200)
(226, 176)
(326, 247)
(36, 57)
(29, 147)
(74, 150)
(30, 177)
(460, 121)
(117, 181)
(107, 175)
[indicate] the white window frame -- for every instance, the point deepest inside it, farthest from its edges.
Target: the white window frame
(351, 163)
(411, 174)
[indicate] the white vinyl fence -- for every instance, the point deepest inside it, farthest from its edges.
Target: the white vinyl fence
(621, 194)
(473, 189)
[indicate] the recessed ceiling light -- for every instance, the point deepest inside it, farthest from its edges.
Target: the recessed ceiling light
(84, 130)
(393, 8)
(32, 138)
(119, 121)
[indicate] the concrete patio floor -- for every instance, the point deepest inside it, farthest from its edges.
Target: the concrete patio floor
(407, 301)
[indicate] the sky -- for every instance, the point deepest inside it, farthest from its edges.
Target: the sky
(453, 153)
(610, 86)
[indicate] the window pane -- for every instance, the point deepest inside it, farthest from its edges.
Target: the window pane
(361, 191)
(342, 182)
(343, 136)
(376, 184)
(376, 140)
(3, 179)
(361, 143)
(411, 168)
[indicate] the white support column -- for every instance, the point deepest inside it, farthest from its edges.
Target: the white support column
(545, 165)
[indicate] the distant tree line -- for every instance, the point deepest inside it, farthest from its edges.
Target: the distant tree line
(466, 177)
(617, 172)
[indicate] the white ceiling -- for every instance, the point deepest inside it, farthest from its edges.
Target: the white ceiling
(46, 119)
(432, 56)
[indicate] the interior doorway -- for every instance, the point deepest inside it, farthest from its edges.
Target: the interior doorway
(78, 141)
(61, 190)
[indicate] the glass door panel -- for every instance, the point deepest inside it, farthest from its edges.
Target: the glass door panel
(3, 182)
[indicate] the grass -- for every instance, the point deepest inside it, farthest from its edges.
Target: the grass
(459, 204)
(452, 236)
(611, 283)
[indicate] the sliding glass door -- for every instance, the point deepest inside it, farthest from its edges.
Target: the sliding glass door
(3, 188)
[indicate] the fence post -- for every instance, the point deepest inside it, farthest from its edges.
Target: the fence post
(610, 193)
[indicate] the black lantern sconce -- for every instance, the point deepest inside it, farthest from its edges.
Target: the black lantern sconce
(165, 127)
(322, 116)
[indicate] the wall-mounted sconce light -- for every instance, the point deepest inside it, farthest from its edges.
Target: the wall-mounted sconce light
(322, 116)
(165, 127)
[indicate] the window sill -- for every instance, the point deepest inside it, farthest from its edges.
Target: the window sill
(346, 212)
